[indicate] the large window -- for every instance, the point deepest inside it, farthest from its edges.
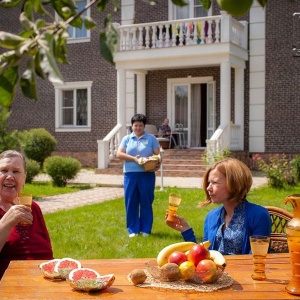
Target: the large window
(73, 106)
(194, 9)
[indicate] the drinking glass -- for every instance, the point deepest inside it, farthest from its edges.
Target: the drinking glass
(259, 246)
(25, 199)
(174, 201)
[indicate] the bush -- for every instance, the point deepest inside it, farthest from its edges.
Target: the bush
(210, 159)
(32, 169)
(61, 169)
(9, 139)
(277, 170)
(295, 165)
(38, 144)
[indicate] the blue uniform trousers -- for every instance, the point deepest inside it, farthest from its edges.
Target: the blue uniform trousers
(139, 196)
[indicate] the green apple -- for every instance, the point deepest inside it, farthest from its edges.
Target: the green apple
(235, 8)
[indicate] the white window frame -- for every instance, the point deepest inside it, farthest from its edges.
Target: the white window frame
(59, 88)
(87, 38)
(172, 10)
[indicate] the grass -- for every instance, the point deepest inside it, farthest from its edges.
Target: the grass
(44, 189)
(99, 231)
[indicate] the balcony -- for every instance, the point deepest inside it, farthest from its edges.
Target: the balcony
(182, 43)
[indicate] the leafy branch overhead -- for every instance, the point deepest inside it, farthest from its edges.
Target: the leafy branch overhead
(41, 45)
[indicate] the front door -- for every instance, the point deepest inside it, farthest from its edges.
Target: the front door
(192, 110)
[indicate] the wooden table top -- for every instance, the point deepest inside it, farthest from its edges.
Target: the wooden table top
(23, 280)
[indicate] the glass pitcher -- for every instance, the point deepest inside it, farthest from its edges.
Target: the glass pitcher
(293, 237)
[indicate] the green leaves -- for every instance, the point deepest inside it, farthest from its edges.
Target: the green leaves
(180, 2)
(108, 41)
(10, 3)
(263, 3)
(9, 40)
(28, 82)
(8, 82)
(206, 4)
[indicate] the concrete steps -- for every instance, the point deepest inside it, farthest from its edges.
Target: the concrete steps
(176, 163)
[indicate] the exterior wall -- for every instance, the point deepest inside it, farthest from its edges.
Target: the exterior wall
(282, 80)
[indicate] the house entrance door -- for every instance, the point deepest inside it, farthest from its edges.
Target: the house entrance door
(194, 109)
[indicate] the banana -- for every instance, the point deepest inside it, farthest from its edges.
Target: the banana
(218, 258)
(163, 255)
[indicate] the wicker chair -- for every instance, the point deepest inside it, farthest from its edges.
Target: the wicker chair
(280, 218)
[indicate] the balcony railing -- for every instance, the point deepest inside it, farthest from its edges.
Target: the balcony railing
(185, 32)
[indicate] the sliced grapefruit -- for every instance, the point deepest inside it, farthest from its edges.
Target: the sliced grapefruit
(47, 269)
(65, 265)
(86, 279)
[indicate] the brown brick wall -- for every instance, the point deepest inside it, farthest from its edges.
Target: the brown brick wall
(282, 80)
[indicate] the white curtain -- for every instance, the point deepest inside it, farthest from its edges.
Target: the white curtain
(195, 115)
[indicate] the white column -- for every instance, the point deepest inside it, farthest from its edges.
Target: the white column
(141, 93)
(257, 55)
(225, 93)
(239, 103)
(121, 102)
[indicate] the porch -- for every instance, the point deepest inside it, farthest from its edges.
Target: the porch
(189, 43)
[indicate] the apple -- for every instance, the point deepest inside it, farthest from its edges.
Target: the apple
(234, 7)
(177, 257)
(207, 271)
(197, 253)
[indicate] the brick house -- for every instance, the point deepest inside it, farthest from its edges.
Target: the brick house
(225, 79)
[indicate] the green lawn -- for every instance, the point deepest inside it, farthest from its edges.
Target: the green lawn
(98, 231)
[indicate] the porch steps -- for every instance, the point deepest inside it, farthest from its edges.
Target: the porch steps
(177, 163)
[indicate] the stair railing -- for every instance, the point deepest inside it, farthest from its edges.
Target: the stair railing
(108, 147)
(226, 137)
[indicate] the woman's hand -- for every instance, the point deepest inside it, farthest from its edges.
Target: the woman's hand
(180, 224)
(17, 214)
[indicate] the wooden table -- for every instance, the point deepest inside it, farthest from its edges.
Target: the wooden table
(23, 280)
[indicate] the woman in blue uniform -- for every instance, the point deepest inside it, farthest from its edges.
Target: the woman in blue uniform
(138, 184)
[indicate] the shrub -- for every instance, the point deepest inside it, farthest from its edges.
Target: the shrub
(61, 169)
(32, 169)
(9, 139)
(38, 144)
(295, 165)
(211, 158)
(277, 170)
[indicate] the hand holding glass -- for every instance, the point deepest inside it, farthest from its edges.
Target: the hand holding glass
(27, 201)
(174, 201)
(259, 246)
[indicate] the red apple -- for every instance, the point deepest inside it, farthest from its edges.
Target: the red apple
(207, 271)
(197, 253)
(177, 257)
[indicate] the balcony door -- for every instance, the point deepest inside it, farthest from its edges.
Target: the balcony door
(192, 104)
(193, 9)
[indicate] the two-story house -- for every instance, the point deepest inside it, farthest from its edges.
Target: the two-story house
(229, 81)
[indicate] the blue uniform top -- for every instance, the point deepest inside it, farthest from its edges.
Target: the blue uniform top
(143, 146)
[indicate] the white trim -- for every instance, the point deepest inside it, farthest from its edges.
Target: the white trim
(58, 95)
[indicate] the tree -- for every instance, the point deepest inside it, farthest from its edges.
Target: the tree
(42, 44)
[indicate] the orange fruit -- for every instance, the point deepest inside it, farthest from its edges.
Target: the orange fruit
(187, 270)
(235, 7)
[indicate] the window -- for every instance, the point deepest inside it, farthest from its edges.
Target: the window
(194, 9)
(79, 35)
(73, 106)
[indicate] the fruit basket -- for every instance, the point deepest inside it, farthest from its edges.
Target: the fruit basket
(158, 280)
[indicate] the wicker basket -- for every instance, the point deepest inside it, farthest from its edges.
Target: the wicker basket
(149, 164)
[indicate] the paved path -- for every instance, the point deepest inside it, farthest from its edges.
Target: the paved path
(108, 187)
